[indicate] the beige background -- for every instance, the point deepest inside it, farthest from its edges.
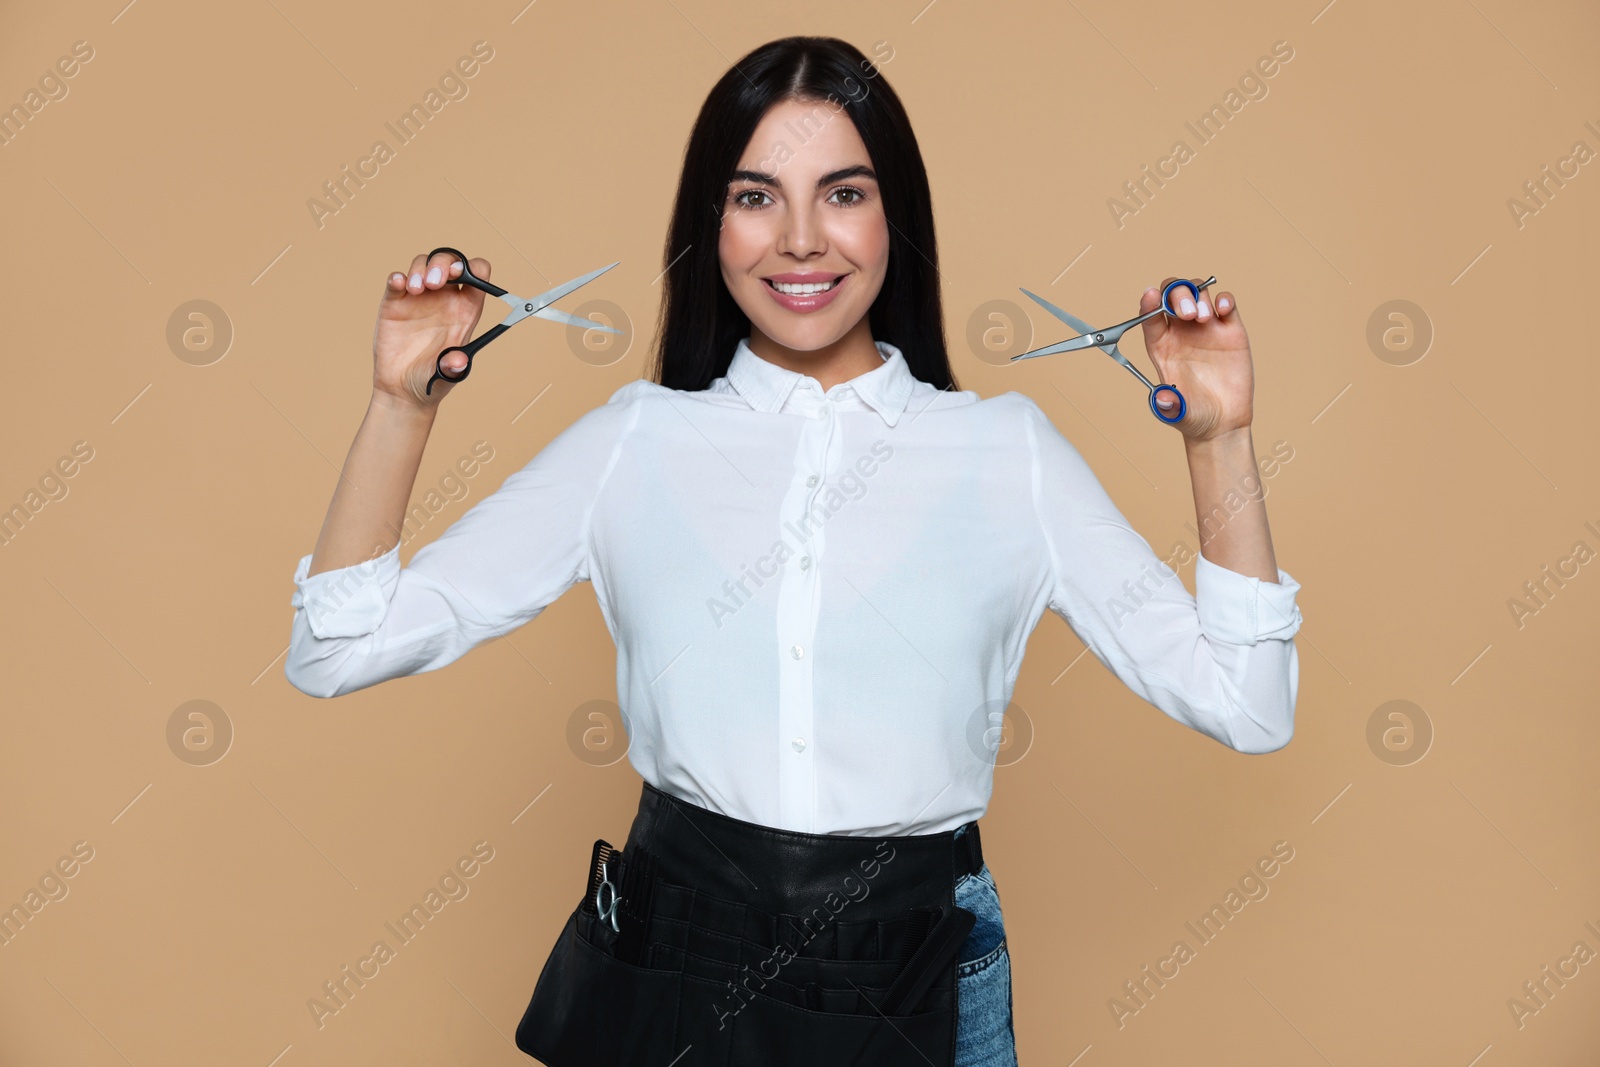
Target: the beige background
(1422, 893)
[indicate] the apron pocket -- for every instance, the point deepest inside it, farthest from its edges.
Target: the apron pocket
(768, 1031)
(590, 1009)
(821, 985)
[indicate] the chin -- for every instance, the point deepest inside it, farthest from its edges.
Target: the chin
(806, 337)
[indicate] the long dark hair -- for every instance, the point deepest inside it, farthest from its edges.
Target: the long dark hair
(700, 324)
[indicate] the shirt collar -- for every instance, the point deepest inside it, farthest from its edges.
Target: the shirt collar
(766, 386)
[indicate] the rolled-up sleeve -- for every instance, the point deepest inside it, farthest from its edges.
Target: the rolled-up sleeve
(1222, 661)
(349, 601)
(498, 566)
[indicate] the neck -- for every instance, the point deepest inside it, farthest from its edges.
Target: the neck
(849, 357)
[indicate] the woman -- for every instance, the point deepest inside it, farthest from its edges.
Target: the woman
(820, 563)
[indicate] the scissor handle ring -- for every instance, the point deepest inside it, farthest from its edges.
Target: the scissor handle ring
(1186, 283)
(438, 368)
(467, 277)
(607, 914)
(1183, 405)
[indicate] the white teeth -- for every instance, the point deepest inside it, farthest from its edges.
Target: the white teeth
(802, 290)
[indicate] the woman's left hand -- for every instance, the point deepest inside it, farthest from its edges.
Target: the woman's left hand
(1204, 353)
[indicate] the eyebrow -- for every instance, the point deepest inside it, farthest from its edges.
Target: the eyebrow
(857, 171)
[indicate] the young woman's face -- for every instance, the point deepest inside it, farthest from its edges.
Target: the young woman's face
(803, 211)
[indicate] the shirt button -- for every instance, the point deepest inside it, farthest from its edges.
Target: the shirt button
(811, 482)
(805, 561)
(797, 652)
(799, 744)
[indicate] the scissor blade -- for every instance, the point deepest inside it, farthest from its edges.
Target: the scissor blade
(557, 315)
(1059, 346)
(1066, 317)
(550, 296)
(1074, 344)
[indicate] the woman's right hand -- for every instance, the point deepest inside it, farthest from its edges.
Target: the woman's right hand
(421, 314)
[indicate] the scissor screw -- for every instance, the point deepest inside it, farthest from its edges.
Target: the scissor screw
(527, 307)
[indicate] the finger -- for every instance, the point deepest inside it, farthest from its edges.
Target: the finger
(1225, 304)
(414, 275)
(440, 267)
(1152, 296)
(1203, 311)
(1155, 327)
(1181, 300)
(395, 287)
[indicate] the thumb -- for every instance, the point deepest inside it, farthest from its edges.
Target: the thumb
(1155, 327)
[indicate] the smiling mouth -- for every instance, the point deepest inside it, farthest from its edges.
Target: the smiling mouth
(806, 289)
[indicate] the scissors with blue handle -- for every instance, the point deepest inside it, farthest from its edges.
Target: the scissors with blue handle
(521, 308)
(1107, 339)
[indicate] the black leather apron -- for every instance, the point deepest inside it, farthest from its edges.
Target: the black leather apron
(712, 942)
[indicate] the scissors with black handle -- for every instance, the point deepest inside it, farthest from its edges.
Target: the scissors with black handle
(1107, 339)
(521, 308)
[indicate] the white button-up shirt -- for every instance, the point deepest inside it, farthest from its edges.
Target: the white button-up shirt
(820, 601)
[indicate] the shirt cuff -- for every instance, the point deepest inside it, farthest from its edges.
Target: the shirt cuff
(347, 601)
(1243, 610)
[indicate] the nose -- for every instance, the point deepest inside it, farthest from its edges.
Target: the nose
(801, 234)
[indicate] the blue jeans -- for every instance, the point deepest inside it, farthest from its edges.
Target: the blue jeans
(984, 1034)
